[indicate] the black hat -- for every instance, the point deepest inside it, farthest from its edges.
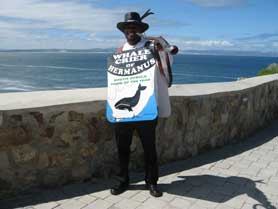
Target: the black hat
(134, 18)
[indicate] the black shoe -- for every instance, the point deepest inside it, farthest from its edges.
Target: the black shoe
(119, 189)
(154, 190)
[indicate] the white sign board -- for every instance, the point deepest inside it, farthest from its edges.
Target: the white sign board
(131, 90)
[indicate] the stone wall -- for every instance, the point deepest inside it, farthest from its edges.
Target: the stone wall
(55, 137)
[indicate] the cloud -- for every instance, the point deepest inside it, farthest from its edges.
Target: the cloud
(209, 43)
(82, 24)
(60, 14)
(261, 42)
(275, 44)
(50, 24)
(197, 43)
(218, 3)
(261, 36)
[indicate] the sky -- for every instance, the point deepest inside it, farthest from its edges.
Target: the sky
(244, 25)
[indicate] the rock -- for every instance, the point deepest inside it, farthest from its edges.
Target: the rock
(88, 152)
(234, 132)
(193, 150)
(13, 137)
(43, 161)
(190, 139)
(49, 131)
(224, 117)
(81, 171)
(54, 116)
(203, 121)
(4, 161)
(75, 116)
(38, 116)
(92, 134)
(27, 177)
(4, 186)
(23, 153)
(99, 129)
(54, 177)
(61, 159)
(67, 139)
(16, 117)
(1, 119)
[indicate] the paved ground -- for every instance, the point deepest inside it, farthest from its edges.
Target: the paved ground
(240, 176)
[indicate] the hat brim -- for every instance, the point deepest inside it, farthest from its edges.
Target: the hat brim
(142, 26)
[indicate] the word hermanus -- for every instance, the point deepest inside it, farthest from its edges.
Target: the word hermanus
(131, 63)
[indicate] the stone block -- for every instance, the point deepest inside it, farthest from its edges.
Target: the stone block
(141, 197)
(53, 117)
(236, 202)
(72, 204)
(129, 193)
(113, 199)
(205, 204)
(81, 171)
(12, 121)
(154, 203)
(23, 153)
(53, 178)
(180, 203)
(67, 139)
(87, 199)
(62, 159)
(16, 117)
(39, 117)
(102, 194)
(1, 119)
(99, 204)
(5, 186)
(49, 131)
(224, 117)
(13, 136)
(75, 116)
(220, 206)
(203, 121)
(127, 204)
(92, 134)
(88, 152)
(43, 161)
(4, 161)
(48, 205)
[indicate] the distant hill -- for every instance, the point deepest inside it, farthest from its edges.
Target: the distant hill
(183, 51)
(231, 53)
(96, 50)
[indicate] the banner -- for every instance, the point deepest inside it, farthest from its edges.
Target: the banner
(131, 90)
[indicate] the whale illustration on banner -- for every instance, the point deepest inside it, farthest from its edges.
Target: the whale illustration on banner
(129, 102)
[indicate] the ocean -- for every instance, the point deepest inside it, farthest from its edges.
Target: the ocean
(37, 71)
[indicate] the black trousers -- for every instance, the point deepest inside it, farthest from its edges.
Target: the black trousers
(146, 131)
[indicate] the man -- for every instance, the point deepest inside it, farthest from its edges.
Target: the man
(132, 28)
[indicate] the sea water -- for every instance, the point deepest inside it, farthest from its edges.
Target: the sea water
(36, 71)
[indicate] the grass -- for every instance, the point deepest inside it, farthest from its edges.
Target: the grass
(271, 69)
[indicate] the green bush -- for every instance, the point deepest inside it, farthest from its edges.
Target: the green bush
(271, 69)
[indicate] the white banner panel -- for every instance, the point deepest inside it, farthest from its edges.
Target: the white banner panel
(131, 90)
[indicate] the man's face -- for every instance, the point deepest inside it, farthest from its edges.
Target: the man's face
(131, 34)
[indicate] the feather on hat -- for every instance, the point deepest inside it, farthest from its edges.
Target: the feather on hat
(134, 18)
